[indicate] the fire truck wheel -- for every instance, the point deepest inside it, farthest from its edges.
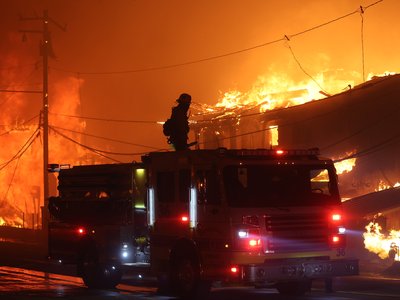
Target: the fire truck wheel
(99, 276)
(294, 288)
(185, 280)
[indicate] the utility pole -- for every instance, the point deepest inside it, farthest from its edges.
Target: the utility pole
(45, 115)
(45, 52)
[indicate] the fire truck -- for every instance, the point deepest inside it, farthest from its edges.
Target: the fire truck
(261, 217)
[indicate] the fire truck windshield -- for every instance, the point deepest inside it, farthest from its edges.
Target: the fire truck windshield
(279, 185)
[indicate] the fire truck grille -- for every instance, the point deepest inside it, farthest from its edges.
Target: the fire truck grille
(288, 233)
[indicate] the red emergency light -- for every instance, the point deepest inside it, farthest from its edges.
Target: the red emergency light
(335, 239)
(81, 230)
(249, 239)
(336, 217)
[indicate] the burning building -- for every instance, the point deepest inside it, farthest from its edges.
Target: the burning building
(21, 169)
(358, 128)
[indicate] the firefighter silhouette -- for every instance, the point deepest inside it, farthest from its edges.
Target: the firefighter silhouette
(177, 126)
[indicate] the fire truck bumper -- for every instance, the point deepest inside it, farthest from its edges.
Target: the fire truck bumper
(295, 270)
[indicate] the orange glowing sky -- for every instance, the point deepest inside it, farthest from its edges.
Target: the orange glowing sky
(105, 38)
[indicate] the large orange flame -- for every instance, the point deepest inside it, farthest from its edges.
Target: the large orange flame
(279, 91)
(385, 245)
(21, 192)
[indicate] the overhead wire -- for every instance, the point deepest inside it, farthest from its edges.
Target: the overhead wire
(361, 11)
(13, 91)
(374, 148)
(304, 71)
(103, 138)
(171, 66)
(105, 119)
(96, 151)
(23, 149)
(253, 132)
(219, 56)
(12, 179)
(286, 38)
(24, 123)
(214, 57)
(369, 125)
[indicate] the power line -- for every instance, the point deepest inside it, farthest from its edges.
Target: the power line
(369, 125)
(282, 125)
(375, 148)
(23, 149)
(248, 133)
(170, 66)
(15, 128)
(12, 179)
(20, 91)
(304, 71)
(104, 138)
(96, 151)
(13, 91)
(104, 119)
(308, 119)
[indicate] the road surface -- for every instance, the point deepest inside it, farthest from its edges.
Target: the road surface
(21, 283)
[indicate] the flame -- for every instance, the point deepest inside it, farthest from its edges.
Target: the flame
(21, 175)
(382, 185)
(280, 91)
(21, 194)
(231, 99)
(386, 246)
(345, 166)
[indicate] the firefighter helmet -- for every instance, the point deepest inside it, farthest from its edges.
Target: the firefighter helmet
(184, 98)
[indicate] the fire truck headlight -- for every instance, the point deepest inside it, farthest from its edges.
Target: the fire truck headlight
(242, 234)
(341, 230)
(125, 251)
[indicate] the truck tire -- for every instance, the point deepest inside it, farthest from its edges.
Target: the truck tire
(99, 276)
(294, 288)
(185, 279)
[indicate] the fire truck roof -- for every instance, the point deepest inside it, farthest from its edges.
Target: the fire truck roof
(240, 153)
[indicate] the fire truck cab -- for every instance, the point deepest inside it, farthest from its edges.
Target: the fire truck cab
(259, 217)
